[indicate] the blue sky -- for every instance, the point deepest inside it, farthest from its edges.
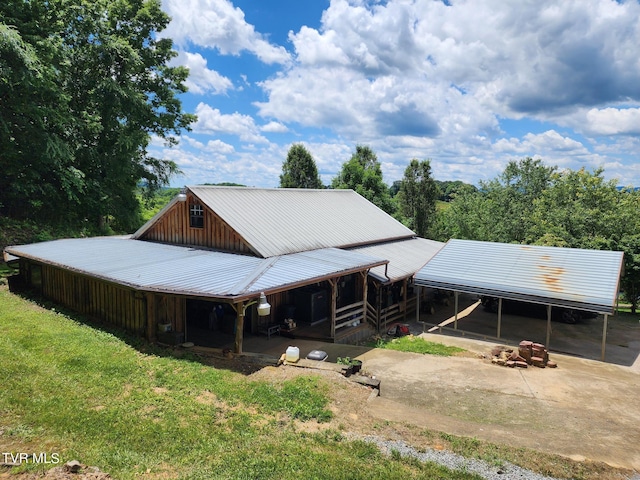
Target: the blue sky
(468, 84)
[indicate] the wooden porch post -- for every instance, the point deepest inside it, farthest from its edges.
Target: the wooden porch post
(378, 306)
(404, 299)
(240, 312)
(365, 287)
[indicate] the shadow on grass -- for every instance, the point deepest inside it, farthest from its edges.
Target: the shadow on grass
(217, 358)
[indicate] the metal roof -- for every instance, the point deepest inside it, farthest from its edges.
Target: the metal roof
(566, 277)
(191, 271)
(279, 221)
(405, 257)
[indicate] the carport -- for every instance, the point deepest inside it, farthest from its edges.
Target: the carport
(571, 278)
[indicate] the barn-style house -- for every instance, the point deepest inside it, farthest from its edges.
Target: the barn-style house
(225, 262)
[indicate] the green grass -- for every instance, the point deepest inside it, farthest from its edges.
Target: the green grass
(86, 394)
(418, 345)
(623, 312)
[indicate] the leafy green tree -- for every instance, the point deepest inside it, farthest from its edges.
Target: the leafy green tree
(533, 204)
(450, 189)
(34, 153)
(394, 189)
(363, 174)
(501, 210)
(417, 196)
(99, 88)
(629, 223)
(299, 170)
(579, 209)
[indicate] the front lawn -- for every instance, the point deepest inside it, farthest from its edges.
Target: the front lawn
(81, 393)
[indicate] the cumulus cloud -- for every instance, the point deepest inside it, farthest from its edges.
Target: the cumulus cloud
(537, 58)
(202, 80)
(212, 121)
(217, 24)
(274, 127)
(428, 79)
(613, 121)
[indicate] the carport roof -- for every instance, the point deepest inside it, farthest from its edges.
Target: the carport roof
(192, 271)
(565, 277)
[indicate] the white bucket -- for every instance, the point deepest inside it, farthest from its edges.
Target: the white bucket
(292, 355)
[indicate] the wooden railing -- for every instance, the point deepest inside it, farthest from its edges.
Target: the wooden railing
(372, 318)
(391, 314)
(348, 315)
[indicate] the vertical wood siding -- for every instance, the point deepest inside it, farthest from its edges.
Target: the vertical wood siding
(116, 305)
(174, 228)
(171, 309)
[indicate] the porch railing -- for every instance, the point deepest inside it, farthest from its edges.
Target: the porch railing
(349, 315)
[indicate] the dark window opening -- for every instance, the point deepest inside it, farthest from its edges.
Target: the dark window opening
(196, 216)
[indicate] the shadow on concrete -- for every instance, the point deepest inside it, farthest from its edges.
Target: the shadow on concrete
(582, 339)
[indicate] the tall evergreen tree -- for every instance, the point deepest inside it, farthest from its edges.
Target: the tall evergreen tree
(299, 169)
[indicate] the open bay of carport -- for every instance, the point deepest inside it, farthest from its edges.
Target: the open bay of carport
(582, 339)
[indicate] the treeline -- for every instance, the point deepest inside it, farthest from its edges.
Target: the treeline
(411, 200)
(528, 203)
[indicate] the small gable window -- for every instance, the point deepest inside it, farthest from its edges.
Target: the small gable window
(196, 216)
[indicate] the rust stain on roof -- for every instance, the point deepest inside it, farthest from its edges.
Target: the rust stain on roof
(552, 276)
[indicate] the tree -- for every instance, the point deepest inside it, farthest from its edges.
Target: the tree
(533, 204)
(363, 174)
(580, 209)
(583, 210)
(501, 210)
(450, 189)
(299, 169)
(103, 82)
(417, 196)
(34, 153)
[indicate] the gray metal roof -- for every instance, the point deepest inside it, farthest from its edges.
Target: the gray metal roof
(279, 221)
(568, 277)
(191, 271)
(405, 257)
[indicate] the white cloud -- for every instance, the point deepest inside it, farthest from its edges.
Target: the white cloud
(274, 127)
(212, 121)
(552, 141)
(423, 79)
(217, 24)
(510, 59)
(202, 80)
(613, 121)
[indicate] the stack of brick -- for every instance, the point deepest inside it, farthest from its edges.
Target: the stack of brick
(528, 353)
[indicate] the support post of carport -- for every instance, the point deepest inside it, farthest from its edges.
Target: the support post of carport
(604, 336)
(418, 295)
(499, 316)
(455, 318)
(548, 326)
